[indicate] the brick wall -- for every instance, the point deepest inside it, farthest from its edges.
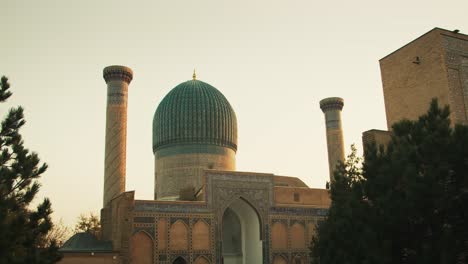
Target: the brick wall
(432, 66)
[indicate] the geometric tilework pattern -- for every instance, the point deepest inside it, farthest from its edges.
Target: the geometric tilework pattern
(194, 112)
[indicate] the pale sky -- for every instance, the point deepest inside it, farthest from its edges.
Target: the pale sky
(273, 60)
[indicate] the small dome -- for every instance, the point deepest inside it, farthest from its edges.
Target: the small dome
(194, 112)
(86, 242)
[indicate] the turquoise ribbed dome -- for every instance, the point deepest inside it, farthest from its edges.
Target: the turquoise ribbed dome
(194, 112)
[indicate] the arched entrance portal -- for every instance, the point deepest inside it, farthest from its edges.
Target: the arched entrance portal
(179, 260)
(241, 234)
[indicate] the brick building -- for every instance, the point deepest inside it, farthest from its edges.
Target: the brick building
(204, 211)
(435, 65)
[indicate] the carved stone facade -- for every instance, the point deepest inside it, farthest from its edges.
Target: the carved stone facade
(204, 212)
(192, 230)
(242, 217)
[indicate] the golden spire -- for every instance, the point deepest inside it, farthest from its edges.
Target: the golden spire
(194, 76)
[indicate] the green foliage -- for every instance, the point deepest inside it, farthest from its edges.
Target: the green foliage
(88, 223)
(344, 236)
(408, 204)
(21, 229)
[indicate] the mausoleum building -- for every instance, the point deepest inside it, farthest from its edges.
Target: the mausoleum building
(204, 211)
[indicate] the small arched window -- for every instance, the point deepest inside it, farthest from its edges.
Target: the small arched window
(179, 260)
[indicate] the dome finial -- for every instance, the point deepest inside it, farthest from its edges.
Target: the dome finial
(194, 76)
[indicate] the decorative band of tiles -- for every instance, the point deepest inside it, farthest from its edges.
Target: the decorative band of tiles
(299, 211)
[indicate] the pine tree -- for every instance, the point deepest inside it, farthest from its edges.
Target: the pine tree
(22, 229)
(414, 186)
(409, 204)
(344, 237)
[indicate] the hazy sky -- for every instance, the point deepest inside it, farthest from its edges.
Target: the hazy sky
(273, 60)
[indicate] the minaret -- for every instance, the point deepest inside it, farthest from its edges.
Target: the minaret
(332, 107)
(117, 78)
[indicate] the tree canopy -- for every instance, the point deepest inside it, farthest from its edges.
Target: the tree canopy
(407, 203)
(22, 229)
(88, 223)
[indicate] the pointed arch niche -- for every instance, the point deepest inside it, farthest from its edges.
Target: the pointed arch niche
(201, 236)
(141, 248)
(299, 260)
(279, 236)
(279, 260)
(298, 236)
(201, 260)
(178, 236)
(179, 260)
(242, 243)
